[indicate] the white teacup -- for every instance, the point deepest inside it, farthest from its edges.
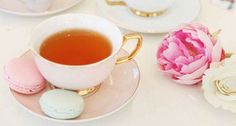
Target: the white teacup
(80, 77)
(144, 6)
(38, 5)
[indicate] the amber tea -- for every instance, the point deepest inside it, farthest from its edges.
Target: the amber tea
(76, 47)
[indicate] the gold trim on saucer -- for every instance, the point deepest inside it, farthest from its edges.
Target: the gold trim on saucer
(126, 39)
(223, 89)
(135, 11)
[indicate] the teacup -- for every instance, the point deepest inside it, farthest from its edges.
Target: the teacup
(145, 8)
(38, 5)
(80, 77)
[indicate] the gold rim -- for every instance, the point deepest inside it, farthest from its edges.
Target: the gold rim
(126, 39)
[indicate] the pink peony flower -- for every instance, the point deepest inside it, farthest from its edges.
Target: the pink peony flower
(186, 53)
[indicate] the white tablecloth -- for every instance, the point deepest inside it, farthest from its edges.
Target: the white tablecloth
(159, 101)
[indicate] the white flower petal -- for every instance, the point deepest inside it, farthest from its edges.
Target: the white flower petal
(226, 73)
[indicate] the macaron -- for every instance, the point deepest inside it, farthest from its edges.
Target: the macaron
(62, 104)
(23, 76)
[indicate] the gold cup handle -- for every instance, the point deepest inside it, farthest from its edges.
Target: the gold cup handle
(126, 39)
(115, 3)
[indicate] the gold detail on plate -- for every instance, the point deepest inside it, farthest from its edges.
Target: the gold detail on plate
(135, 11)
(85, 92)
(115, 3)
(89, 91)
(223, 89)
(126, 39)
(147, 14)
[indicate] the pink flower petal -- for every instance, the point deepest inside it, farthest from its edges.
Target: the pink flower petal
(186, 53)
(199, 56)
(188, 69)
(165, 43)
(216, 53)
(172, 72)
(182, 60)
(172, 52)
(169, 66)
(165, 64)
(162, 61)
(182, 47)
(192, 32)
(195, 75)
(188, 82)
(195, 43)
(207, 41)
(195, 26)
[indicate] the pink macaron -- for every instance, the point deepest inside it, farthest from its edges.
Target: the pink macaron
(23, 76)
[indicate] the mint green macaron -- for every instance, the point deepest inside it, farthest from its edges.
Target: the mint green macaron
(62, 104)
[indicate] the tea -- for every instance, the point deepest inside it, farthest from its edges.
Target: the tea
(76, 47)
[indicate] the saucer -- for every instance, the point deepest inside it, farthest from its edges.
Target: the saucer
(182, 11)
(115, 92)
(18, 8)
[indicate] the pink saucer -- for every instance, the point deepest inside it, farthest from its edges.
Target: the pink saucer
(23, 76)
(115, 92)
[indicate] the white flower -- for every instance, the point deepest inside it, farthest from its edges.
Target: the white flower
(225, 73)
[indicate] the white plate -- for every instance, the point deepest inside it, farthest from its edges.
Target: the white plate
(18, 8)
(182, 11)
(115, 92)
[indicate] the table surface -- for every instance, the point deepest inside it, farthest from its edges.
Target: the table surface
(159, 101)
